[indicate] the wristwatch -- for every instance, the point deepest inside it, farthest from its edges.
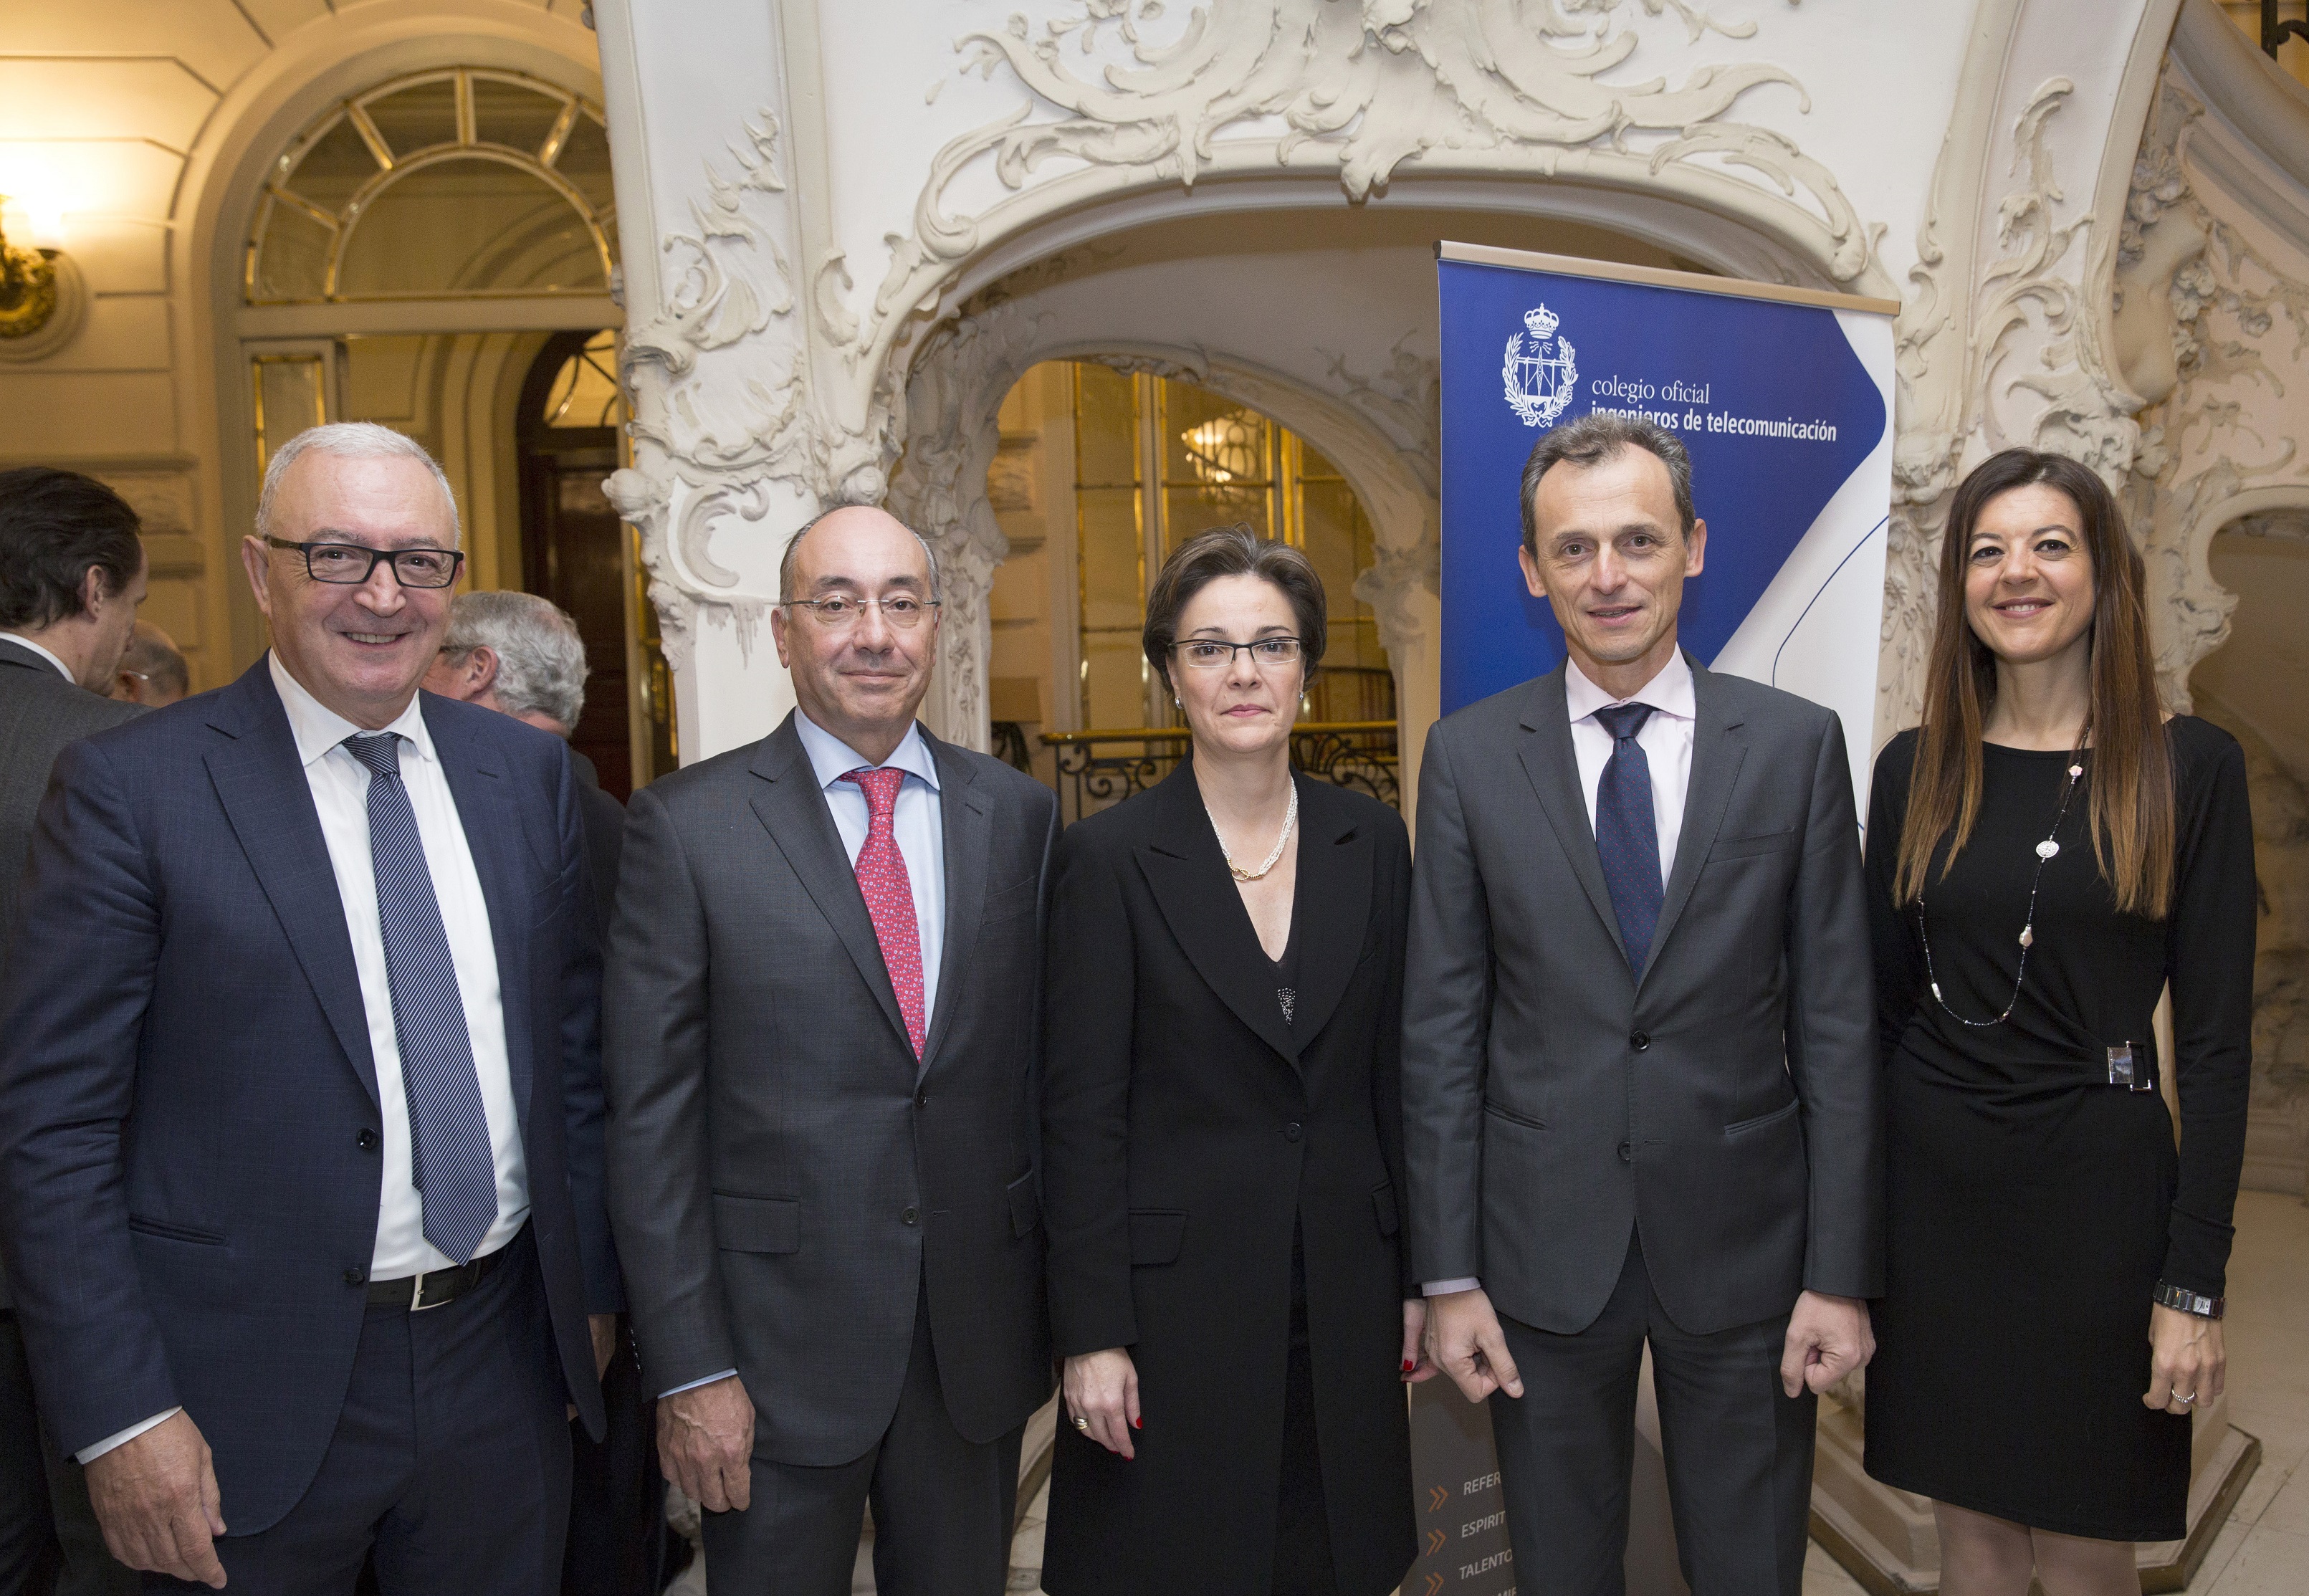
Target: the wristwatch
(2189, 1302)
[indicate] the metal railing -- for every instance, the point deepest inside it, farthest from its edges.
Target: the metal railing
(1098, 769)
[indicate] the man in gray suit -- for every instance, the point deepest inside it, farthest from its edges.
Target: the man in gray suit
(1640, 1079)
(72, 573)
(822, 1040)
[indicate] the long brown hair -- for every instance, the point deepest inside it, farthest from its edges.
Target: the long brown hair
(2131, 781)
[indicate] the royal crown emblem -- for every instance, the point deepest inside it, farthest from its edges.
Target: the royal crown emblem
(1540, 376)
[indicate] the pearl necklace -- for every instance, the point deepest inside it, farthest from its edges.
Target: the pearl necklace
(2045, 852)
(1290, 818)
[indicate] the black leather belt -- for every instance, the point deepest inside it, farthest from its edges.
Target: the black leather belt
(435, 1288)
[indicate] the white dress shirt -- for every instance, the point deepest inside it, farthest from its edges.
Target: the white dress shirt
(919, 824)
(22, 641)
(1665, 738)
(339, 787)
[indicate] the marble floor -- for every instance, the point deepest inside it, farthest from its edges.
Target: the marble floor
(2263, 1550)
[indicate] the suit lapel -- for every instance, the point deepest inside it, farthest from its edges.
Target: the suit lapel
(968, 830)
(261, 783)
(475, 774)
(1333, 909)
(1717, 752)
(1555, 772)
(793, 811)
(1187, 875)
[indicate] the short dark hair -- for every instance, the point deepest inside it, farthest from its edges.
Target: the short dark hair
(54, 526)
(1593, 439)
(1233, 551)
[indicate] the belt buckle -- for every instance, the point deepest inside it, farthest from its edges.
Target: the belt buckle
(416, 1303)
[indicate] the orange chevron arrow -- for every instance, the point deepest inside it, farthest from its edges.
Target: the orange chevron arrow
(1435, 1541)
(1437, 1496)
(1434, 1584)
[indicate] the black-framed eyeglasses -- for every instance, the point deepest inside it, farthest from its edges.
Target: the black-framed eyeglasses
(839, 612)
(349, 565)
(1208, 653)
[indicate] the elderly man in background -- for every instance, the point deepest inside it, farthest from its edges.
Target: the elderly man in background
(522, 655)
(72, 571)
(821, 1026)
(152, 672)
(300, 1116)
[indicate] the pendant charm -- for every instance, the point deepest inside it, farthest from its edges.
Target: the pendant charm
(2048, 848)
(2028, 936)
(2075, 771)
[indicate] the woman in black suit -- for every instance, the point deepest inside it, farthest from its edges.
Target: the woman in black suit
(1223, 1142)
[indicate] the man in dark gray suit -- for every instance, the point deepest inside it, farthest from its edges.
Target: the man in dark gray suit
(1639, 1081)
(822, 1033)
(72, 573)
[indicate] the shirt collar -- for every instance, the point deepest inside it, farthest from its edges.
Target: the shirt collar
(317, 728)
(22, 641)
(831, 758)
(1669, 693)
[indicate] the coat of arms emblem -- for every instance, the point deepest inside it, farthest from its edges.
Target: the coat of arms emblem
(1540, 376)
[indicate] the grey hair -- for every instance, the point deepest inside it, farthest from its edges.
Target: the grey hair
(786, 561)
(350, 440)
(541, 665)
(1593, 439)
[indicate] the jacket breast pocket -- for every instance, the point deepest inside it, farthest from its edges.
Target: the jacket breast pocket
(1157, 1236)
(1749, 847)
(1017, 898)
(756, 1224)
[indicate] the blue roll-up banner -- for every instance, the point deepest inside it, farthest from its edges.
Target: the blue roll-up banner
(1783, 396)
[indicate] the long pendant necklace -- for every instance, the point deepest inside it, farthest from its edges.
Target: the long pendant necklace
(1290, 818)
(2045, 852)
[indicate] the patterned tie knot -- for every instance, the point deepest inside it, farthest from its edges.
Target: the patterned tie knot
(379, 751)
(881, 788)
(1623, 720)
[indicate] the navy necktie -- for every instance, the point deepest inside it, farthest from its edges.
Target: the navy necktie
(451, 1160)
(1626, 835)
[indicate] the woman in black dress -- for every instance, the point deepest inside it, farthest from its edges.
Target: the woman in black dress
(2045, 853)
(1223, 1137)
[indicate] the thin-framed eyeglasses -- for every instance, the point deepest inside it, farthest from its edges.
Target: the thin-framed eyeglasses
(839, 611)
(1208, 654)
(349, 565)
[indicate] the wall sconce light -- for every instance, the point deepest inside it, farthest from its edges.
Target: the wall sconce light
(42, 295)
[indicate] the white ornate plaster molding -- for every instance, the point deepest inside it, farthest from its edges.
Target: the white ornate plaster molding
(2227, 441)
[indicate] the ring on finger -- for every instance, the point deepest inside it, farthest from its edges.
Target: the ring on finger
(2185, 1400)
(1081, 1423)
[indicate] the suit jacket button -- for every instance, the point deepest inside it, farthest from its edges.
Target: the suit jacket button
(356, 1277)
(909, 1217)
(921, 1099)
(1627, 1153)
(365, 1141)
(1291, 1132)
(1641, 1040)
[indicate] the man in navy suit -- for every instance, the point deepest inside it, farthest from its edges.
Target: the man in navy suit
(301, 1108)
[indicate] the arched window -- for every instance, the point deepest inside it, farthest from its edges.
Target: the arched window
(459, 182)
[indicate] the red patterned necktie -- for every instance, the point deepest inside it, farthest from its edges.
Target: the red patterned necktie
(889, 896)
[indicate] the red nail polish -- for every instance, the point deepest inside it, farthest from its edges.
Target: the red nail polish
(1408, 1365)
(1138, 1424)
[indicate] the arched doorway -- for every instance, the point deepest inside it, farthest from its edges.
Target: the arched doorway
(431, 252)
(1100, 473)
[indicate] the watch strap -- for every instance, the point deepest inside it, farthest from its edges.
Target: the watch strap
(2183, 1300)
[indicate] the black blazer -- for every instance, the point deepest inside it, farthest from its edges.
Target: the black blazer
(1187, 1130)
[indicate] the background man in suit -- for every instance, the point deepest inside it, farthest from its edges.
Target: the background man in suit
(72, 572)
(822, 1034)
(300, 1168)
(522, 655)
(1639, 1084)
(152, 670)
